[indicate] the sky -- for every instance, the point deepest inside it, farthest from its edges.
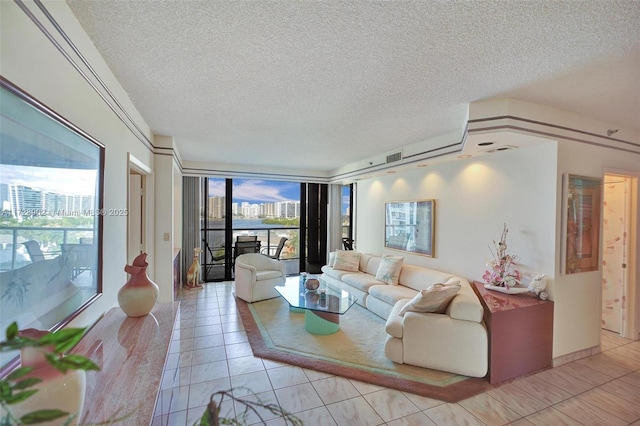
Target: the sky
(256, 191)
(61, 181)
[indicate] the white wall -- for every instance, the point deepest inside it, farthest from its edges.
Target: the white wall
(578, 297)
(474, 198)
(31, 62)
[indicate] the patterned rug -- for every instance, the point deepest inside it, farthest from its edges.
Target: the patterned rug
(356, 351)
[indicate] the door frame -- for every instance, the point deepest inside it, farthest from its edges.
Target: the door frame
(135, 166)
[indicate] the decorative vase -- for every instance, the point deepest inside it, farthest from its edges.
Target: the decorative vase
(311, 284)
(138, 296)
(57, 390)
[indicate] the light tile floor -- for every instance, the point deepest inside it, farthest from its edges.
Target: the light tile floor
(210, 352)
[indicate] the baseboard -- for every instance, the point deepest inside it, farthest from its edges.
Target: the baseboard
(583, 353)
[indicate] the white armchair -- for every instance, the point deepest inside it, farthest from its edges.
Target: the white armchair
(257, 275)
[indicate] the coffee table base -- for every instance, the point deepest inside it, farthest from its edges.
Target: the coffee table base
(321, 322)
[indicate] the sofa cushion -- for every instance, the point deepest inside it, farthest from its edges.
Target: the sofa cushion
(435, 300)
(334, 273)
(391, 293)
(347, 260)
(267, 275)
(364, 261)
(360, 280)
(466, 306)
(372, 265)
(389, 269)
(332, 259)
(421, 278)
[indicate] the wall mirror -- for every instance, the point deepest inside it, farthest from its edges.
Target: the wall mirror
(51, 177)
(409, 226)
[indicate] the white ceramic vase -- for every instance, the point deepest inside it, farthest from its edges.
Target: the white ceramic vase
(139, 295)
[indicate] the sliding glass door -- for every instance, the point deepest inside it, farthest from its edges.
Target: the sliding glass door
(265, 214)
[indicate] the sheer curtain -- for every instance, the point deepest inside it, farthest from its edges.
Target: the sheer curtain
(191, 238)
(334, 236)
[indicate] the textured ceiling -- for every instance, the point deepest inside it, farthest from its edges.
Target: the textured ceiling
(318, 85)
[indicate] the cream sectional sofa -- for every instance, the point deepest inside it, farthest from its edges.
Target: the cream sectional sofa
(455, 341)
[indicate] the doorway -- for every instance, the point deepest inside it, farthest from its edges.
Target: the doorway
(135, 218)
(618, 249)
(136, 208)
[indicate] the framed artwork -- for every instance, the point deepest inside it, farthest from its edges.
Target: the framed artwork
(51, 186)
(409, 226)
(581, 204)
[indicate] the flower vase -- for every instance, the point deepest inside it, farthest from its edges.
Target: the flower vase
(57, 390)
(139, 295)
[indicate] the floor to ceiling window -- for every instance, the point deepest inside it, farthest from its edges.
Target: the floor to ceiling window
(347, 217)
(262, 211)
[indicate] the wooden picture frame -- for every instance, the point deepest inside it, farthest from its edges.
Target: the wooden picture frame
(51, 198)
(410, 226)
(581, 217)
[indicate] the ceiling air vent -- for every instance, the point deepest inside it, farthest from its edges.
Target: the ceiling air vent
(392, 158)
(499, 148)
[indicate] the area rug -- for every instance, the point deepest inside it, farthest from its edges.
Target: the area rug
(356, 351)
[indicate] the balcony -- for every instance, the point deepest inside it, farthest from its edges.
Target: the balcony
(214, 260)
(14, 254)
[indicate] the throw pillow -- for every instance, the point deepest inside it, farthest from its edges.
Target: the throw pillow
(389, 269)
(332, 259)
(435, 299)
(347, 260)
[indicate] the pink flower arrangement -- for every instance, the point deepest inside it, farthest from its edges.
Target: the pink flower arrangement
(500, 270)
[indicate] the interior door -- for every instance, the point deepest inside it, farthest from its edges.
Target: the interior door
(615, 219)
(135, 218)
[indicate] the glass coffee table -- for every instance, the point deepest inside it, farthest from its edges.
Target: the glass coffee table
(322, 307)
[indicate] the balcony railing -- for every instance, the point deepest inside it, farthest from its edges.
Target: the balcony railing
(13, 254)
(214, 252)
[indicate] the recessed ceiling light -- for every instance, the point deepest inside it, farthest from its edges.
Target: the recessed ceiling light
(485, 143)
(390, 172)
(422, 165)
(462, 157)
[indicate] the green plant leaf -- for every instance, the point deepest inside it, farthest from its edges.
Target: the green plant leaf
(63, 339)
(20, 396)
(23, 384)
(12, 331)
(16, 343)
(204, 420)
(69, 421)
(19, 372)
(5, 390)
(54, 360)
(41, 416)
(78, 362)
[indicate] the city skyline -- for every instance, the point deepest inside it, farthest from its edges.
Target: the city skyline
(256, 191)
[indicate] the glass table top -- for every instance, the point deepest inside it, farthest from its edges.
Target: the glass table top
(337, 301)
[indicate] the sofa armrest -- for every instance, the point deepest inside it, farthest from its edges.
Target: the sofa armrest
(466, 307)
(245, 273)
(395, 323)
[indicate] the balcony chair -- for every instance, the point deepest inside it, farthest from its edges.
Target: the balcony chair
(246, 244)
(256, 275)
(213, 257)
(279, 248)
(347, 243)
(33, 248)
